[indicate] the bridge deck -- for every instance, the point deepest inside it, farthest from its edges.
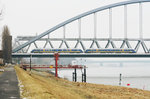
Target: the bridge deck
(98, 55)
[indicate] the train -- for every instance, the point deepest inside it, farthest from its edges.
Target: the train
(100, 50)
(114, 50)
(57, 50)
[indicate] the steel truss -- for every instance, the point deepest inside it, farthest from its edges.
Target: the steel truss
(79, 41)
(110, 42)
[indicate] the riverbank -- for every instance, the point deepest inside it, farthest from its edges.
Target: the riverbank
(42, 85)
(1, 69)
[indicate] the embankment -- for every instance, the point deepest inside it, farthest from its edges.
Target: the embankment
(41, 85)
(1, 69)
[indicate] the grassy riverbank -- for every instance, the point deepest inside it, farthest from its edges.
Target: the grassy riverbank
(41, 85)
(1, 69)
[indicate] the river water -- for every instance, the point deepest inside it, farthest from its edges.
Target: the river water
(134, 75)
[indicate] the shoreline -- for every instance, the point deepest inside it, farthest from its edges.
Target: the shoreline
(36, 84)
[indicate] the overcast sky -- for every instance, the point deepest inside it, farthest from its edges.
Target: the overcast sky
(28, 17)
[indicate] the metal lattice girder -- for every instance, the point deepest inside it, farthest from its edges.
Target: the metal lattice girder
(98, 46)
(61, 44)
(127, 43)
(45, 44)
(92, 44)
(79, 42)
(143, 46)
(137, 46)
(64, 42)
(20, 45)
(28, 48)
(77, 18)
(82, 45)
(110, 42)
(50, 44)
(96, 42)
(48, 41)
(123, 44)
(35, 45)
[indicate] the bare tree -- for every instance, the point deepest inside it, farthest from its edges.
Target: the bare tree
(6, 45)
(1, 13)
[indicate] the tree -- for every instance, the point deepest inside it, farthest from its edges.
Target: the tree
(6, 45)
(1, 13)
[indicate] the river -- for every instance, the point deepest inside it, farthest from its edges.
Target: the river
(134, 75)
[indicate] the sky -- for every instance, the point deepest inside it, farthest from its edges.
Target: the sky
(28, 17)
(31, 17)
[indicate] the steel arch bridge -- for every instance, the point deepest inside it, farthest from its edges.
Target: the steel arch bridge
(94, 40)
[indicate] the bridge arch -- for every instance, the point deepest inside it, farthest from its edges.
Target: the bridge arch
(77, 18)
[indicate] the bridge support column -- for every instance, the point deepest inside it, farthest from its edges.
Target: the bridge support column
(120, 79)
(84, 75)
(74, 75)
(30, 61)
(56, 55)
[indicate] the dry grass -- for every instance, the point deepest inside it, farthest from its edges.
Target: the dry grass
(41, 85)
(1, 67)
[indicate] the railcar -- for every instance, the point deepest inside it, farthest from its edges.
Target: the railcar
(57, 50)
(110, 50)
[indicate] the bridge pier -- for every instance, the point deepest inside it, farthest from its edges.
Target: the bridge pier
(120, 79)
(84, 75)
(56, 55)
(30, 61)
(75, 75)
